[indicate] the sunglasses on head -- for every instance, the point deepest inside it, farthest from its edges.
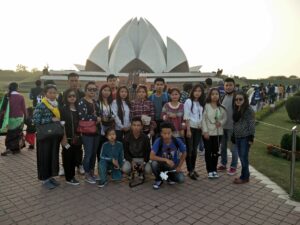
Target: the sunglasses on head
(239, 99)
(92, 89)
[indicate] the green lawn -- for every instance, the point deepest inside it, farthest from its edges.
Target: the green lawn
(277, 169)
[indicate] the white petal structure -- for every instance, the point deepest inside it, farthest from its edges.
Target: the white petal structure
(137, 47)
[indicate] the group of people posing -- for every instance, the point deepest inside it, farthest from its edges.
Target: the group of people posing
(156, 133)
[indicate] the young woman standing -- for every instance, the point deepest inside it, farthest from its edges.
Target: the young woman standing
(243, 131)
(193, 108)
(214, 118)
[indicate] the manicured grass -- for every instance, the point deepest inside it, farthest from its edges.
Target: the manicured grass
(277, 169)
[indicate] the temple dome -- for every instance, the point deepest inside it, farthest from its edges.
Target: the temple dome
(137, 47)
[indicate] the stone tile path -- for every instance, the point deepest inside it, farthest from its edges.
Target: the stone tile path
(213, 202)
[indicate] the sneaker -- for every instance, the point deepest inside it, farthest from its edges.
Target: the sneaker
(215, 174)
(221, 168)
(61, 171)
(170, 182)
(102, 184)
(49, 185)
(97, 178)
(192, 175)
(89, 179)
(210, 175)
(73, 181)
(80, 170)
(54, 182)
(231, 171)
(157, 184)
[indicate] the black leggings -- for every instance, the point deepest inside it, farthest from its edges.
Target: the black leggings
(192, 147)
(212, 152)
(69, 158)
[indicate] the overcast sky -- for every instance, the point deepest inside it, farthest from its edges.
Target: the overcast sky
(254, 38)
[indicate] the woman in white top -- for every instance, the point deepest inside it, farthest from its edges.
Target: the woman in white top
(107, 116)
(214, 118)
(193, 108)
(121, 111)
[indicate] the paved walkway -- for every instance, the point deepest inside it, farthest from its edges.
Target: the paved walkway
(214, 202)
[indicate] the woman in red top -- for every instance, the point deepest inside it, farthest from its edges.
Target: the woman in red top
(173, 112)
(144, 108)
(17, 112)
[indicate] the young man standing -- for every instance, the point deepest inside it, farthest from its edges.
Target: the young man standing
(167, 154)
(136, 148)
(73, 83)
(229, 87)
(159, 98)
(112, 81)
(36, 93)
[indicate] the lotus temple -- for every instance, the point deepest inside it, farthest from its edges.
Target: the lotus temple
(136, 54)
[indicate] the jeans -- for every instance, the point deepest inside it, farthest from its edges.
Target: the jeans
(242, 146)
(90, 144)
(105, 165)
(224, 143)
(192, 147)
(158, 167)
(102, 140)
(212, 152)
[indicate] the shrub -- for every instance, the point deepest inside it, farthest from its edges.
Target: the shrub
(287, 142)
(293, 108)
(266, 111)
(297, 93)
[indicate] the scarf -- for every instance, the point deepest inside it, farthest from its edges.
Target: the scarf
(52, 106)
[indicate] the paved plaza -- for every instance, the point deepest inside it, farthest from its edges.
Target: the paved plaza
(214, 202)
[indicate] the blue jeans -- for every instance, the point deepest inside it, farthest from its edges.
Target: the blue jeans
(224, 143)
(105, 165)
(90, 144)
(242, 146)
(158, 167)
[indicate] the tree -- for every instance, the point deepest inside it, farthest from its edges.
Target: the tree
(21, 68)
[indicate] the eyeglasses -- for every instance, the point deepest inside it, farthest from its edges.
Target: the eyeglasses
(239, 99)
(92, 89)
(71, 96)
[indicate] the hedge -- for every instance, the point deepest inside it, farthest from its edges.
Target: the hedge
(267, 110)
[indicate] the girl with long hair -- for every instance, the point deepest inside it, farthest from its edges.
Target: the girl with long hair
(214, 118)
(144, 109)
(193, 108)
(121, 111)
(107, 116)
(243, 132)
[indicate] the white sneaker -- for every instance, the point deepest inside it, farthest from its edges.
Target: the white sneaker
(215, 174)
(61, 171)
(80, 170)
(210, 175)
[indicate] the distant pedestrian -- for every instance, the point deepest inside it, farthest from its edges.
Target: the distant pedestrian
(36, 93)
(30, 128)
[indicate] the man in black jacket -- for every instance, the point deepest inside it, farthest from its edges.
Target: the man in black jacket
(136, 148)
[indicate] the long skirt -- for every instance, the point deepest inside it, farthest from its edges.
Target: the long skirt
(47, 152)
(14, 140)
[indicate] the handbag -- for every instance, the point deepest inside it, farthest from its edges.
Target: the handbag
(49, 130)
(87, 127)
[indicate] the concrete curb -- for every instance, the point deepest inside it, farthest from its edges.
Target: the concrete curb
(275, 188)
